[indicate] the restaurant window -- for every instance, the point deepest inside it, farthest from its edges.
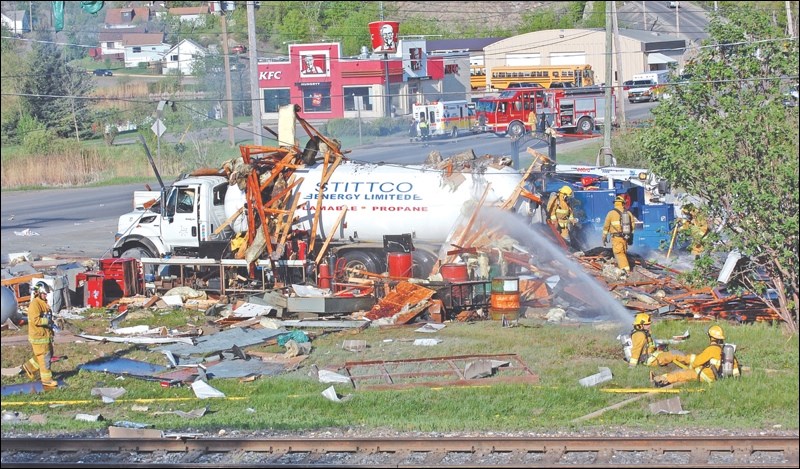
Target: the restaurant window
(350, 93)
(274, 98)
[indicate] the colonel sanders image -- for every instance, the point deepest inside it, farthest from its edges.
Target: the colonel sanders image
(309, 67)
(387, 33)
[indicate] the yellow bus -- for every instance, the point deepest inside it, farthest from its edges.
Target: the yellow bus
(544, 75)
(477, 77)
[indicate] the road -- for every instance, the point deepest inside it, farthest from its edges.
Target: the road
(81, 222)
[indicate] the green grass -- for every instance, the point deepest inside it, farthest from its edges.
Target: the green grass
(765, 398)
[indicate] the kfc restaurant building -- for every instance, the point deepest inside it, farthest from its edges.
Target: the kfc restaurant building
(326, 85)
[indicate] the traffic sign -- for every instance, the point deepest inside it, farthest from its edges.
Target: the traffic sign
(158, 128)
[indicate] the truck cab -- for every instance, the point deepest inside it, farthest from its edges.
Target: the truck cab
(190, 212)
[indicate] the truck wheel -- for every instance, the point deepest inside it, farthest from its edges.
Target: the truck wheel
(138, 253)
(454, 132)
(585, 125)
(423, 262)
(515, 129)
(360, 260)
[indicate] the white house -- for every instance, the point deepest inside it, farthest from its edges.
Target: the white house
(17, 21)
(181, 58)
(144, 47)
(193, 15)
(111, 45)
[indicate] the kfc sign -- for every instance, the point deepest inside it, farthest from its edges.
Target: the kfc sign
(271, 75)
(384, 36)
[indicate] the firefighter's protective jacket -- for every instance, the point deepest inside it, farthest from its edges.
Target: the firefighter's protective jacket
(708, 364)
(642, 345)
(560, 212)
(39, 327)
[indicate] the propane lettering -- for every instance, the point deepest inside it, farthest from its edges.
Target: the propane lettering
(399, 209)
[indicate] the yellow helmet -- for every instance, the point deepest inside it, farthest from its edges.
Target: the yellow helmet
(566, 190)
(641, 319)
(619, 200)
(715, 332)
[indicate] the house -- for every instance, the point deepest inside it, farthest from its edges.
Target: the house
(181, 58)
(126, 17)
(17, 21)
(144, 47)
(111, 46)
(192, 15)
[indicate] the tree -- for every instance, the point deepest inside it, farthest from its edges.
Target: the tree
(55, 91)
(726, 136)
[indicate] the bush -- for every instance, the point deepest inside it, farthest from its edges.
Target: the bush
(381, 126)
(39, 142)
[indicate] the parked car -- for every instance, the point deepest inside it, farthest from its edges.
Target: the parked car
(562, 84)
(103, 72)
(238, 49)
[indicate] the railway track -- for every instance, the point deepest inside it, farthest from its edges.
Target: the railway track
(670, 452)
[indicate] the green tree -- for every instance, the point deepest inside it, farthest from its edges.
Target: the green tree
(55, 92)
(727, 137)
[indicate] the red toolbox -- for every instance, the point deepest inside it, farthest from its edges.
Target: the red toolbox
(122, 276)
(92, 284)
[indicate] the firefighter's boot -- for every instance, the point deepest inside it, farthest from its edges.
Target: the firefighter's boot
(30, 369)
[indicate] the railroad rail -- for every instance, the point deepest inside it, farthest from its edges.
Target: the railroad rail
(654, 452)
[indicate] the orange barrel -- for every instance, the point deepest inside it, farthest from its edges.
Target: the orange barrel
(454, 272)
(505, 298)
(400, 264)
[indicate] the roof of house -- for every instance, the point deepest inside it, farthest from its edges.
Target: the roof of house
(16, 15)
(469, 44)
(143, 39)
(189, 41)
(108, 35)
(139, 14)
(181, 11)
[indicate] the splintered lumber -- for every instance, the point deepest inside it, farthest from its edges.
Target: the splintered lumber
(327, 172)
(290, 218)
(228, 221)
(465, 232)
(330, 235)
(512, 200)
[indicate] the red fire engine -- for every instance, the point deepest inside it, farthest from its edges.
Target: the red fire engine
(520, 110)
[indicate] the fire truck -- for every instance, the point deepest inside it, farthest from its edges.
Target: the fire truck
(515, 112)
(445, 117)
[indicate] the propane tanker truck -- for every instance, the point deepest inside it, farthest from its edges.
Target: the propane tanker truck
(360, 204)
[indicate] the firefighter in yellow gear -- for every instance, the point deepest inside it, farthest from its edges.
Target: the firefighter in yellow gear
(644, 350)
(560, 212)
(40, 335)
(696, 225)
(705, 367)
(620, 233)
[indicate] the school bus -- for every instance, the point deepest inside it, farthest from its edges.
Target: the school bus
(477, 77)
(544, 75)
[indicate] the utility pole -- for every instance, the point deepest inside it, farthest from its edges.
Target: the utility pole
(789, 21)
(677, 19)
(227, 62)
(255, 92)
(644, 16)
(620, 97)
(606, 150)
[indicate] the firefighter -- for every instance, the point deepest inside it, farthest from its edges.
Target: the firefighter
(696, 224)
(643, 348)
(560, 212)
(40, 335)
(620, 225)
(705, 367)
(423, 129)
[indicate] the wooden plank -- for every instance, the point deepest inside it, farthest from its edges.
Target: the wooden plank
(330, 236)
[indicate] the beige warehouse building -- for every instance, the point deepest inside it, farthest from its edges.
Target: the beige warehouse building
(640, 51)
